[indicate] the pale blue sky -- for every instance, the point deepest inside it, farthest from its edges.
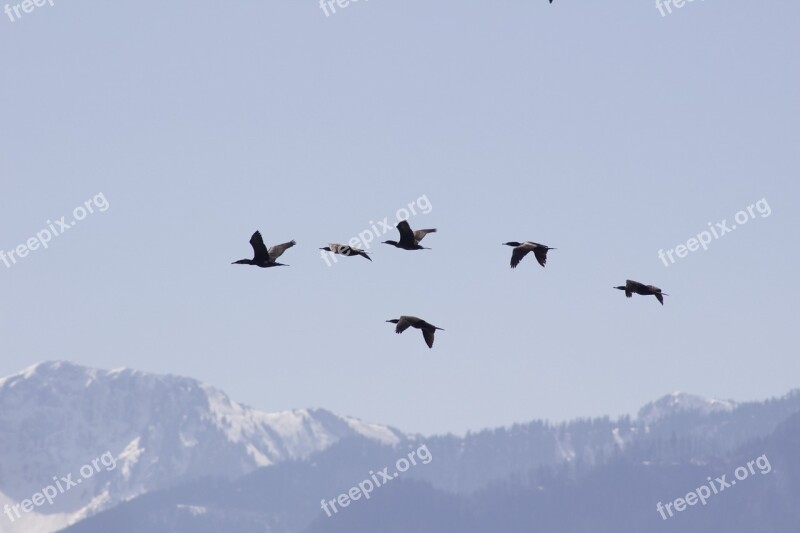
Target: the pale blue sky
(599, 128)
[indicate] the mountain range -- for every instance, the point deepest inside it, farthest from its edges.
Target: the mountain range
(187, 458)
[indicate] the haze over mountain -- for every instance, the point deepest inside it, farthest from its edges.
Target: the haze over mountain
(188, 458)
(57, 416)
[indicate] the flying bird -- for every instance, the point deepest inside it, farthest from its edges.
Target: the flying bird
(409, 240)
(632, 287)
(404, 322)
(343, 249)
(522, 249)
(261, 256)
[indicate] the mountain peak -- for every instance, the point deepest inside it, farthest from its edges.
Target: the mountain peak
(161, 429)
(678, 402)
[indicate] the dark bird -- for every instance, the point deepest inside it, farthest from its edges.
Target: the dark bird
(343, 249)
(632, 287)
(522, 249)
(261, 256)
(409, 240)
(404, 322)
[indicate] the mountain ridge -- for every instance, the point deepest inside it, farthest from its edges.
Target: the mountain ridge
(168, 430)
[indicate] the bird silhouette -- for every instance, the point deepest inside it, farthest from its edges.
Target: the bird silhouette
(522, 249)
(262, 257)
(634, 287)
(343, 249)
(409, 240)
(404, 322)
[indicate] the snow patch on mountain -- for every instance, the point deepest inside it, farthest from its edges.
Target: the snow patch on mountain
(678, 402)
(56, 417)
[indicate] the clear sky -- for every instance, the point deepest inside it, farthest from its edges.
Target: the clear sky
(600, 128)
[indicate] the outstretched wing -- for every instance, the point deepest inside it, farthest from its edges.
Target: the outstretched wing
(541, 255)
(420, 234)
(428, 334)
(660, 298)
(517, 255)
(406, 235)
(402, 325)
(260, 253)
(276, 251)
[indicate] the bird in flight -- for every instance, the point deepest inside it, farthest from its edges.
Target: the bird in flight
(261, 256)
(409, 240)
(343, 249)
(404, 322)
(632, 287)
(521, 249)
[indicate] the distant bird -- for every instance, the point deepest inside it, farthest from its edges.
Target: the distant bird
(632, 287)
(404, 322)
(261, 256)
(522, 249)
(343, 249)
(409, 240)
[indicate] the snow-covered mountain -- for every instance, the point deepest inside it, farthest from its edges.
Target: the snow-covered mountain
(56, 417)
(682, 402)
(530, 477)
(149, 434)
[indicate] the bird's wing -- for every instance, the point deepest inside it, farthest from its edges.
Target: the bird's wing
(517, 255)
(349, 250)
(428, 334)
(406, 235)
(276, 251)
(660, 298)
(541, 255)
(420, 234)
(355, 251)
(260, 252)
(402, 325)
(634, 286)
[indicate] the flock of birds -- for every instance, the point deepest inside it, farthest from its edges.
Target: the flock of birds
(410, 240)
